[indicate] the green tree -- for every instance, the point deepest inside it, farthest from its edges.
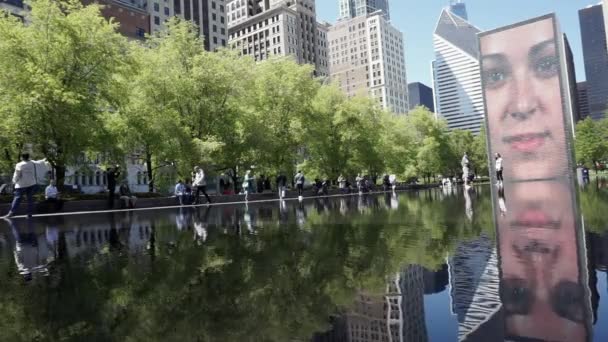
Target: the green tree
(590, 143)
(54, 97)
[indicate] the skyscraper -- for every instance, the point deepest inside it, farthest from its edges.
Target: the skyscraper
(459, 8)
(354, 8)
(605, 6)
(456, 76)
(366, 56)
(420, 95)
(595, 55)
(583, 101)
(266, 28)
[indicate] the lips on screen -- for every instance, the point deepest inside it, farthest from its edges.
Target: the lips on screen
(544, 297)
(521, 75)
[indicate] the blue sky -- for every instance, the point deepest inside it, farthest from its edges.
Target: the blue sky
(417, 19)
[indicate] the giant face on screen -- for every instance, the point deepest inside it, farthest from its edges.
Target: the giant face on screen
(521, 76)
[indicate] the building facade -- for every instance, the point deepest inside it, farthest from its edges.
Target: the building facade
(366, 56)
(279, 28)
(583, 101)
(131, 15)
(210, 16)
(595, 56)
(420, 95)
(456, 75)
(355, 8)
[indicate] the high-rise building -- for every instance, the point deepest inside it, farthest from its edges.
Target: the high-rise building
(366, 56)
(208, 15)
(420, 95)
(583, 101)
(354, 8)
(595, 55)
(459, 8)
(572, 95)
(456, 75)
(264, 28)
(14, 7)
(605, 7)
(131, 15)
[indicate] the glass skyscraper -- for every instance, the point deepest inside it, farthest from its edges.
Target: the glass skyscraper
(356, 8)
(595, 56)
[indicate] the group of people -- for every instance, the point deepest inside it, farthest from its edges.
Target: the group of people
(468, 177)
(187, 194)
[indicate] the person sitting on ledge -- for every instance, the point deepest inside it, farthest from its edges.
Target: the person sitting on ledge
(127, 196)
(51, 197)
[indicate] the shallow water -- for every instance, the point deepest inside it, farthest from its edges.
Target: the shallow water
(438, 265)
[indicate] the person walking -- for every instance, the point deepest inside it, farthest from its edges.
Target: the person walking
(465, 169)
(499, 168)
(112, 174)
(247, 184)
(359, 181)
(200, 182)
(299, 180)
(281, 184)
(342, 184)
(180, 191)
(25, 179)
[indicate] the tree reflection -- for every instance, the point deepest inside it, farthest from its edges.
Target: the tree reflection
(307, 262)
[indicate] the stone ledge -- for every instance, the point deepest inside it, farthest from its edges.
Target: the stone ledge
(100, 205)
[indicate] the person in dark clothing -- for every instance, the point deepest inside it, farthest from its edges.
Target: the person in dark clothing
(260, 184)
(386, 182)
(113, 174)
(281, 184)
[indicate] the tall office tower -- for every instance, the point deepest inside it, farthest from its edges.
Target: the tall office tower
(366, 56)
(605, 7)
(583, 101)
(456, 75)
(354, 8)
(595, 57)
(208, 15)
(420, 95)
(572, 95)
(459, 8)
(264, 28)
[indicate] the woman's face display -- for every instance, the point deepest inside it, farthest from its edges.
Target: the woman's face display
(521, 78)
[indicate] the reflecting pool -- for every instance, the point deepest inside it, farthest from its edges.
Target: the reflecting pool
(526, 263)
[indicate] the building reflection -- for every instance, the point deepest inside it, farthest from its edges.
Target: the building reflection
(397, 315)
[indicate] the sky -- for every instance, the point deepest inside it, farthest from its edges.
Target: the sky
(417, 20)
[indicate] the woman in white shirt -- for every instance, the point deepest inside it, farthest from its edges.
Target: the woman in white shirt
(499, 167)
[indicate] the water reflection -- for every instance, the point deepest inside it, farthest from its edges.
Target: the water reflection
(358, 268)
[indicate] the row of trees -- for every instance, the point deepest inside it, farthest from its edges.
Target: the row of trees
(79, 86)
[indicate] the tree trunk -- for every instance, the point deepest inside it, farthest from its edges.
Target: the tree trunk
(60, 170)
(150, 175)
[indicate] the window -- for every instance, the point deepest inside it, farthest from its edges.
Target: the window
(156, 20)
(213, 17)
(214, 40)
(214, 28)
(140, 32)
(222, 19)
(167, 12)
(213, 4)
(156, 7)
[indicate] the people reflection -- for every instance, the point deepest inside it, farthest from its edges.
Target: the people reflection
(468, 203)
(201, 224)
(33, 248)
(520, 72)
(541, 288)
